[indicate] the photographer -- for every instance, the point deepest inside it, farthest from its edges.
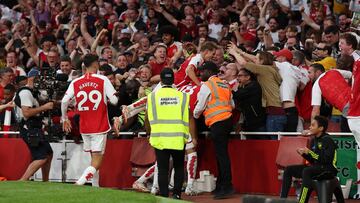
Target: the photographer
(31, 128)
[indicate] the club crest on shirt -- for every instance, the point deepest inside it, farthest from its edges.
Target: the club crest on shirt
(319, 145)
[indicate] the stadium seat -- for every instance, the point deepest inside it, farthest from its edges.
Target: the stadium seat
(287, 154)
(326, 188)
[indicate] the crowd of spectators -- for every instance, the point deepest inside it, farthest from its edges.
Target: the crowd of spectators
(265, 48)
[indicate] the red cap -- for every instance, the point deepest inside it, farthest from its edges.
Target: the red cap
(284, 52)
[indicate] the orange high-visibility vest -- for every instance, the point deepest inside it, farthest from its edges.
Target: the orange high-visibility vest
(219, 107)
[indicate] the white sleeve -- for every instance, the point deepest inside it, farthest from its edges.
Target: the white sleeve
(26, 98)
(110, 91)
(316, 94)
(195, 61)
(345, 73)
(21, 72)
(304, 76)
(69, 94)
(203, 97)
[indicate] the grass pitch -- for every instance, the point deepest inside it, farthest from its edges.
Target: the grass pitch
(39, 192)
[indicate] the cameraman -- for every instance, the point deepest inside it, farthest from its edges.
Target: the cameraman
(31, 128)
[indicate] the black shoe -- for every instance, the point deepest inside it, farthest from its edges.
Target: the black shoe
(176, 196)
(223, 194)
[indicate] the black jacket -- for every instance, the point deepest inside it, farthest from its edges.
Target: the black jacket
(248, 100)
(323, 153)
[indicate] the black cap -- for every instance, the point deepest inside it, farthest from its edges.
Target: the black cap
(209, 65)
(20, 78)
(167, 76)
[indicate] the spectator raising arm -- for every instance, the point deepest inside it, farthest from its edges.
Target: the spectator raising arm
(308, 20)
(262, 19)
(95, 43)
(233, 50)
(71, 33)
(90, 40)
(246, 8)
(167, 15)
(31, 48)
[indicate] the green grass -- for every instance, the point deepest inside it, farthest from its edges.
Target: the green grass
(39, 192)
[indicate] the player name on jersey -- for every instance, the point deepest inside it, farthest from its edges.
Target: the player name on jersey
(89, 84)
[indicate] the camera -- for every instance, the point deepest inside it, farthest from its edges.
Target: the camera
(51, 86)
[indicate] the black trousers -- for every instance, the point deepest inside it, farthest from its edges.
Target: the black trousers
(308, 174)
(292, 116)
(163, 159)
(290, 172)
(220, 132)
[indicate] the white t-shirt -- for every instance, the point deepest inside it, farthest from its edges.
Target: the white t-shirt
(26, 99)
(214, 30)
(316, 94)
(291, 76)
(293, 6)
(275, 37)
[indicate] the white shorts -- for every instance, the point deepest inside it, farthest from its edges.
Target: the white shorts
(94, 143)
(189, 144)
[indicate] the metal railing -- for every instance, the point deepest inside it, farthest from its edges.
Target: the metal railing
(242, 134)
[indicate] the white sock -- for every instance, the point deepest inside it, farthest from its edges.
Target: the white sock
(191, 168)
(87, 175)
(147, 175)
(95, 180)
(156, 173)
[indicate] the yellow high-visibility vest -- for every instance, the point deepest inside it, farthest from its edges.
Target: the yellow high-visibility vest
(168, 114)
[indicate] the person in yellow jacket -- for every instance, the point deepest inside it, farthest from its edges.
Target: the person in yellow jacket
(216, 103)
(169, 121)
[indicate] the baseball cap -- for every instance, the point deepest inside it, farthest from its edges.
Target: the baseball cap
(167, 76)
(284, 52)
(33, 72)
(20, 78)
(209, 65)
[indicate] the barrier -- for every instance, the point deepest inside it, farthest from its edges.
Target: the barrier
(253, 161)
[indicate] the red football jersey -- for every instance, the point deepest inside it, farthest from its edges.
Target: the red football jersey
(336, 93)
(354, 108)
(173, 48)
(91, 92)
(181, 78)
(180, 75)
(193, 90)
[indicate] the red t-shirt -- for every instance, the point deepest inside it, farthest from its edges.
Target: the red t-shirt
(157, 68)
(303, 101)
(185, 30)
